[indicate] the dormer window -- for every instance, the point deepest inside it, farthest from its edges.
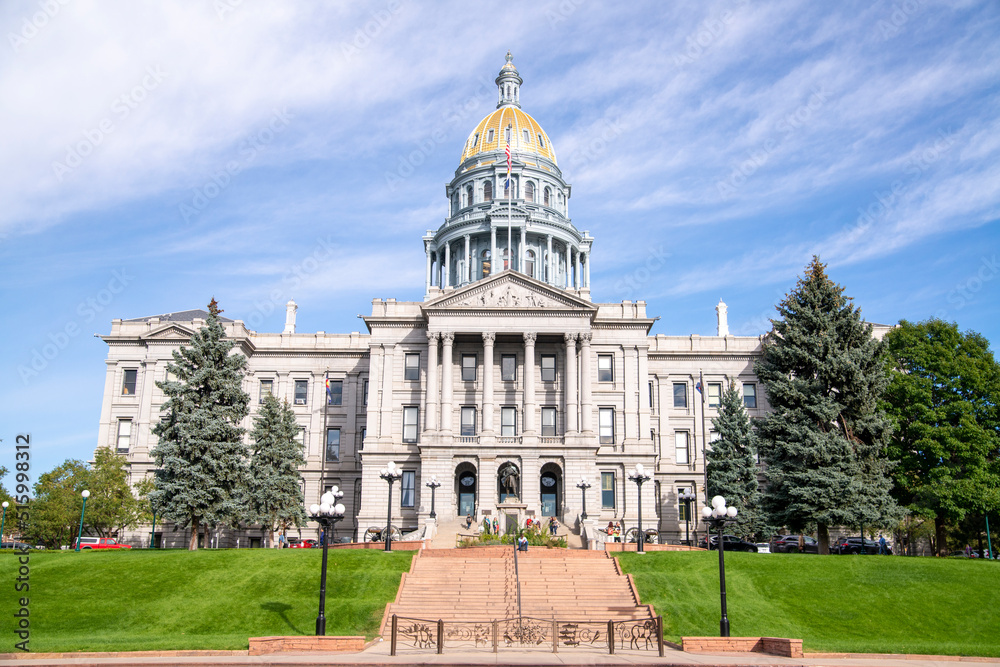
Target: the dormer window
(506, 134)
(475, 140)
(489, 136)
(527, 137)
(541, 142)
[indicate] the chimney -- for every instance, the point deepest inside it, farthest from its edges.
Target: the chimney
(723, 320)
(290, 309)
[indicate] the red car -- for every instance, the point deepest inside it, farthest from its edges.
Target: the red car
(101, 543)
(304, 544)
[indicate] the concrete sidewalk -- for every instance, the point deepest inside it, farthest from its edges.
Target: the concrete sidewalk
(378, 654)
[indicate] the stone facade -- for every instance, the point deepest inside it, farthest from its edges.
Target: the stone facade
(506, 383)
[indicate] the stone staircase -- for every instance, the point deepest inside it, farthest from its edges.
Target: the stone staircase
(479, 584)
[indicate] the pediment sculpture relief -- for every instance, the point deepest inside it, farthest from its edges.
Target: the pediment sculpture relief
(505, 296)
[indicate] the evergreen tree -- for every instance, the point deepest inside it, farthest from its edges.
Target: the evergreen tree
(824, 443)
(113, 506)
(201, 456)
(274, 490)
(732, 466)
(944, 398)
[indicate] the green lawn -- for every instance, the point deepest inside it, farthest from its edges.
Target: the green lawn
(833, 603)
(209, 599)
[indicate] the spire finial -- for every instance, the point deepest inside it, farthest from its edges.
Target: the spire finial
(510, 58)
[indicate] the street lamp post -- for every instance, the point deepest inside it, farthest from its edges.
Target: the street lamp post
(433, 486)
(327, 513)
(717, 516)
(583, 485)
(639, 476)
(390, 473)
(79, 534)
(686, 498)
(152, 533)
(4, 519)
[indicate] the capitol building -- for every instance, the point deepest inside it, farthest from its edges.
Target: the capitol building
(507, 383)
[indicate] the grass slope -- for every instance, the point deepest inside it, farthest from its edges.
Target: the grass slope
(833, 603)
(209, 599)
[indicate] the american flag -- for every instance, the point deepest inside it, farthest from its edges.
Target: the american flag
(508, 155)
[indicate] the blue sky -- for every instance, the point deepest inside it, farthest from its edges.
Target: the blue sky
(158, 154)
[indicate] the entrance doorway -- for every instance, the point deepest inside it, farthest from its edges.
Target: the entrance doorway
(550, 483)
(466, 484)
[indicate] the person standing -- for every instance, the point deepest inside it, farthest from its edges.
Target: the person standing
(882, 550)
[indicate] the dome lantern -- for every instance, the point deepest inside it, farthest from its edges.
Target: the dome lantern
(509, 84)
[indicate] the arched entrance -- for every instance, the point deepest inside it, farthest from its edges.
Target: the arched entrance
(509, 483)
(550, 486)
(465, 488)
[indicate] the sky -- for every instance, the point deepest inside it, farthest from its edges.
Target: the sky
(155, 155)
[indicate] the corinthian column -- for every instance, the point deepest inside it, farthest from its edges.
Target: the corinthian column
(586, 397)
(431, 391)
(488, 340)
(571, 407)
(529, 382)
(448, 338)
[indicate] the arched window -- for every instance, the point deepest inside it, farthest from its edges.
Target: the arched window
(507, 185)
(488, 191)
(454, 203)
(506, 259)
(529, 263)
(484, 263)
(468, 196)
(529, 191)
(548, 197)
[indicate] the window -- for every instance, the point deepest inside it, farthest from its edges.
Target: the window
(529, 263)
(548, 421)
(333, 444)
(128, 383)
(680, 395)
(547, 195)
(364, 393)
(548, 368)
(489, 136)
(485, 263)
(407, 488)
(410, 423)
(650, 394)
(300, 437)
(508, 421)
(334, 392)
(749, 395)
(541, 141)
(266, 389)
(529, 192)
(605, 368)
(488, 190)
(608, 490)
(468, 368)
(527, 136)
(506, 131)
(411, 366)
(681, 448)
(124, 434)
(468, 420)
(361, 440)
(606, 423)
(508, 367)
(683, 513)
(714, 394)
(475, 140)
(301, 391)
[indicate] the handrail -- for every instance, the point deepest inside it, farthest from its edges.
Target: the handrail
(517, 579)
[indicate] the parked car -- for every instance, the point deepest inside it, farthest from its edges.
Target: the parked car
(729, 542)
(101, 543)
(789, 544)
(852, 545)
(15, 545)
(303, 544)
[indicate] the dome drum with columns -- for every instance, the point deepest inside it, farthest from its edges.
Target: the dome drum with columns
(532, 211)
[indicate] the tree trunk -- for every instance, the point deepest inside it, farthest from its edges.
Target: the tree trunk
(942, 543)
(193, 544)
(823, 537)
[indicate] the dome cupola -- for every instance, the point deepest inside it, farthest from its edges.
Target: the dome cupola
(509, 84)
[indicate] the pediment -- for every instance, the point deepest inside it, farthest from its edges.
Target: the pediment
(170, 332)
(501, 212)
(509, 290)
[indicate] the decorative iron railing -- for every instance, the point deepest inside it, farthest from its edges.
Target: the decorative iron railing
(418, 634)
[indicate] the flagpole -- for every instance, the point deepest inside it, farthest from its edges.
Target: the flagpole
(510, 193)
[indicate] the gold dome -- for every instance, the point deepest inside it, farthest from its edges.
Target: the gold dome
(536, 143)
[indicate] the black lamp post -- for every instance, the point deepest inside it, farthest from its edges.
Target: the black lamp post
(390, 473)
(717, 516)
(639, 476)
(686, 498)
(583, 485)
(83, 510)
(4, 519)
(433, 486)
(327, 513)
